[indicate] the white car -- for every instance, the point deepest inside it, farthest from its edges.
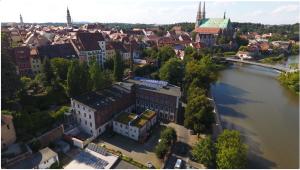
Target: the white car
(178, 164)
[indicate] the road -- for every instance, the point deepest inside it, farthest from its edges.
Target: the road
(185, 142)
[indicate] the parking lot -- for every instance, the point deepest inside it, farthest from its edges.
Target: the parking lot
(142, 153)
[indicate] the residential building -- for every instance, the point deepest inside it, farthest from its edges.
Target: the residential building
(119, 47)
(110, 51)
(94, 110)
(22, 60)
(35, 61)
(43, 159)
(65, 51)
(90, 46)
(135, 126)
(8, 133)
(209, 29)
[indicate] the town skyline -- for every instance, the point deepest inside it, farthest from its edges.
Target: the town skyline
(169, 12)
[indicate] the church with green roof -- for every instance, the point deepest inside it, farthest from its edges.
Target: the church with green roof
(209, 29)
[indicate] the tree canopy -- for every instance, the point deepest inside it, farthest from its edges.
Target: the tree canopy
(204, 152)
(118, 67)
(231, 152)
(172, 71)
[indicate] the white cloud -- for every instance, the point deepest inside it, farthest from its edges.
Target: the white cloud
(285, 8)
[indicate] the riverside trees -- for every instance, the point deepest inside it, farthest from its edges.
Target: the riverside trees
(229, 152)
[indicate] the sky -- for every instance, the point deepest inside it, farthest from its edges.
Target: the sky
(148, 11)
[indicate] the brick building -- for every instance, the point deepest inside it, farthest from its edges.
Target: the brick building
(22, 60)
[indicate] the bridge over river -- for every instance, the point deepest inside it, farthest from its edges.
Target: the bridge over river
(275, 67)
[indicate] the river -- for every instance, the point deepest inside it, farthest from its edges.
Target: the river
(251, 100)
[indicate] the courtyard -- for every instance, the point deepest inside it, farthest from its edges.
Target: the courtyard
(141, 153)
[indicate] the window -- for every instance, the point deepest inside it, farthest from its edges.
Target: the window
(77, 105)
(90, 116)
(91, 124)
(83, 108)
(84, 114)
(85, 122)
(7, 126)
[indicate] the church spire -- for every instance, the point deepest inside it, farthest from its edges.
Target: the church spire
(199, 15)
(69, 21)
(203, 15)
(21, 20)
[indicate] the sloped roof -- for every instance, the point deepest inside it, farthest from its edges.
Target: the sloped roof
(215, 23)
(57, 50)
(207, 30)
(89, 41)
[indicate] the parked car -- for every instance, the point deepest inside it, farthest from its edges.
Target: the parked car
(149, 165)
(178, 164)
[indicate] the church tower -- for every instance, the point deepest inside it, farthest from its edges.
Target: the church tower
(21, 20)
(199, 16)
(203, 14)
(69, 21)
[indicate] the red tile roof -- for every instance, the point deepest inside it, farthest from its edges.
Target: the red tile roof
(207, 30)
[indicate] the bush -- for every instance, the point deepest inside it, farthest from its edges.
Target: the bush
(203, 152)
(169, 135)
(161, 149)
(230, 53)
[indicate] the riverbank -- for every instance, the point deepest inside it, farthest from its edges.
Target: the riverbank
(246, 97)
(290, 80)
(217, 128)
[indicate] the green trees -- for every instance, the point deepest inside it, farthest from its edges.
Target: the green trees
(10, 81)
(243, 48)
(231, 152)
(47, 72)
(60, 67)
(96, 75)
(295, 49)
(172, 71)
(164, 54)
(202, 73)
(204, 152)
(198, 114)
(73, 79)
(291, 80)
(198, 77)
(167, 137)
(118, 67)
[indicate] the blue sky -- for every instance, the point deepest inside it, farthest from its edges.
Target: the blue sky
(148, 11)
